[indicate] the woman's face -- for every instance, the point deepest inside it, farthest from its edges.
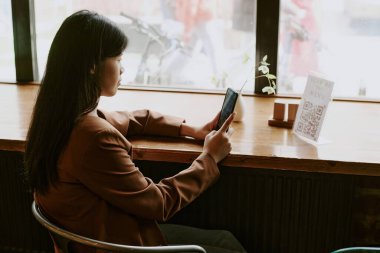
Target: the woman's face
(109, 75)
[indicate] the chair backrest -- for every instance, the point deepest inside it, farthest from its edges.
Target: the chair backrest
(358, 250)
(62, 239)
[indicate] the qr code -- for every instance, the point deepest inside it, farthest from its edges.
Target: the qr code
(310, 119)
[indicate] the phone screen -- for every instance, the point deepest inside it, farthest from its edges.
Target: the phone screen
(228, 106)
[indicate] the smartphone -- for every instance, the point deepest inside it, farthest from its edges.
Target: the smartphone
(228, 107)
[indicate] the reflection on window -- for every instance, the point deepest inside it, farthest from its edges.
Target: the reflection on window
(192, 44)
(7, 56)
(339, 38)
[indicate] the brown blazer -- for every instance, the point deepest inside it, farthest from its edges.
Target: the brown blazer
(101, 193)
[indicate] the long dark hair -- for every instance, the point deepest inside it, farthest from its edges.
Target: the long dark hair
(68, 90)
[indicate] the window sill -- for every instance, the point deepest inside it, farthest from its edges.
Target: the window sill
(206, 91)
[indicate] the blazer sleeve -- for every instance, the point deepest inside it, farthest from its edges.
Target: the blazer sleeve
(144, 122)
(108, 171)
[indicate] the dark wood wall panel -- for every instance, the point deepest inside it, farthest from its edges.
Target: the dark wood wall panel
(19, 232)
(273, 211)
(269, 211)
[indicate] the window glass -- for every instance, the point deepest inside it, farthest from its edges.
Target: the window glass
(340, 39)
(7, 55)
(192, 44)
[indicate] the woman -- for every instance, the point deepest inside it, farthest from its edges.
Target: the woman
(78, 159)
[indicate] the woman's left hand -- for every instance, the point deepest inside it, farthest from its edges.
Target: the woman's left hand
(199, 132)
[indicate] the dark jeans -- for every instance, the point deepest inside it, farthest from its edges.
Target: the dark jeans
(213, 241)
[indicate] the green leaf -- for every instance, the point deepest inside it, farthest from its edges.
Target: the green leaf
(265, 89)
(270, 76)
(271, 91)
(246, 58)
(268, 89)
(265, 58)
(263, 69)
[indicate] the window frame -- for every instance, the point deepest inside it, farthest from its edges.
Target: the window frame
(24, 30)
(24, 34)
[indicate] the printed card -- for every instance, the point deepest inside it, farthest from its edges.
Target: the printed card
(312, 108)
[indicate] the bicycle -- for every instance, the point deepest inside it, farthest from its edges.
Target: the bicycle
(171, 54)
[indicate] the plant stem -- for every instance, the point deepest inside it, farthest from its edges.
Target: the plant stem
(260, 76)
(241, 89)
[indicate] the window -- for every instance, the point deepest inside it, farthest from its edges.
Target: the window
(214, 44)
(339, 38)
(7, 56)
(192, 44)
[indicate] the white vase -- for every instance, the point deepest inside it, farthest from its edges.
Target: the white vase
(239, 109)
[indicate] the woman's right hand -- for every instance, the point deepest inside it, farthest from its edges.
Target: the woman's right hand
(217, 143)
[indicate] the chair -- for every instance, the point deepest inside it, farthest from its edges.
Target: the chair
(358, 250)
(63, 238)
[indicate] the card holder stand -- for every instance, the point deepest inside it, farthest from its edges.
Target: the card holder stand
(284, 114)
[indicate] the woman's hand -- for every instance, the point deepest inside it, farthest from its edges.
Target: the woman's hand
(217, 143)
(199, 132)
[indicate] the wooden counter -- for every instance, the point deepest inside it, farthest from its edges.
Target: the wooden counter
(268, 195)
(352, 129)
